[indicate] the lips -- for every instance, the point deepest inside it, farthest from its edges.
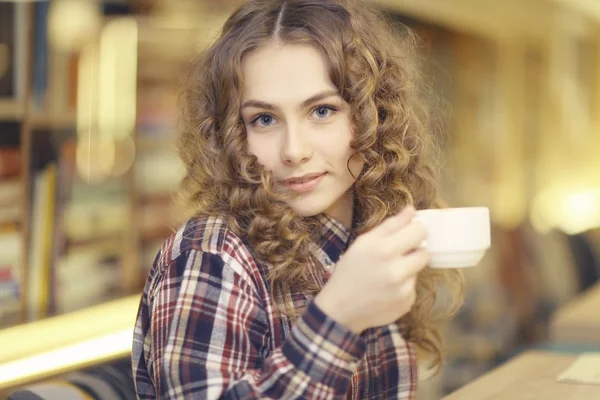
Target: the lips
(303, 178)
(304, 183)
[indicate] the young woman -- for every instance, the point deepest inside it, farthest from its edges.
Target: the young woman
(299, 273)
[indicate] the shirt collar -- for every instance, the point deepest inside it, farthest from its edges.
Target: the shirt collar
(335, 237)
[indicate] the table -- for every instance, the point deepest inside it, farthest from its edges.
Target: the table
(531, 375)
(579, 320)
(42, 349)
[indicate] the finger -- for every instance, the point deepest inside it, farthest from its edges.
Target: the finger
(405, 240)
(408, 292)
(415, 261)
(410, 266)
(408, 285)
(395, 222)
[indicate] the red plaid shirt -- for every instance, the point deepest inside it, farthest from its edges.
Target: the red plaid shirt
(207, 329)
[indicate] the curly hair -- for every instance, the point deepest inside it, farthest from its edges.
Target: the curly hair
(374, 68)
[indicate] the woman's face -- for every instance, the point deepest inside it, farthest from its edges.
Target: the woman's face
(300, 128)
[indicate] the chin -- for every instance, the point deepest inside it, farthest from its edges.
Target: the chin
(308, 208)
(304, 211)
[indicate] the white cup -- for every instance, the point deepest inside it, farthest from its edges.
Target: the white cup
(456, 237)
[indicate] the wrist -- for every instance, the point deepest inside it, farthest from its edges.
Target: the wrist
(335, 310)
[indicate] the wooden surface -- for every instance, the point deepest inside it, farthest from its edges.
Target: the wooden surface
(578, 321)
(68, 342)
(531, 375)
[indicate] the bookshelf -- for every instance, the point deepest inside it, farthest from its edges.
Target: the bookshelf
(52, 230)
(89, 214)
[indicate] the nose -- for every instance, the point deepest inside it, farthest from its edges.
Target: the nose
(296, 148)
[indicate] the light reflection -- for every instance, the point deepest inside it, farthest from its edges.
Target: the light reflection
(106, 109)
(89, 352)
(95, 157)
(124, 156)
(118, 73)
(572, 212)
(73, 23)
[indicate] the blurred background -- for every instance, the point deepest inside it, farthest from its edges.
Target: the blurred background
(88, 167)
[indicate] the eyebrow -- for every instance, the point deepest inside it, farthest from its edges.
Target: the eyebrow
(313, 99)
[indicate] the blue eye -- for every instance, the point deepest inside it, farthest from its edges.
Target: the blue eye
(263, 120)
(322, 112)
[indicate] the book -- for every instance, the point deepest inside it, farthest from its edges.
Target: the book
(42, 222)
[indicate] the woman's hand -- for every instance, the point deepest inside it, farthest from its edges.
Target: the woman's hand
(374, 282)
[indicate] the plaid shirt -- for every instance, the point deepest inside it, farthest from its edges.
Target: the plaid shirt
(207, 328)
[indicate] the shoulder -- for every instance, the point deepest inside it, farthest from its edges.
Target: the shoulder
(206, 240)
(204, 234)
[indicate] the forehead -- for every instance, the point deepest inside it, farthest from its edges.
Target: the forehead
(279, 73)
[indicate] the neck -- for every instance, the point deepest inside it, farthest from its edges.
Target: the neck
(343, 210)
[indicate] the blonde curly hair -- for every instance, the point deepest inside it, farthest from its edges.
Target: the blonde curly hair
(374, 68)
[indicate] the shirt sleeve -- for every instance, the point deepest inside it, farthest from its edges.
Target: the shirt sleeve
(210, 338)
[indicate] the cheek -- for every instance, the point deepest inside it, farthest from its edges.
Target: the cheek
(355, 166)
(264, 150)
(338, 150)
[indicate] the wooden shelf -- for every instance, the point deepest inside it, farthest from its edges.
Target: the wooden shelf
(56, 121)
(156, 234)
(15, 110)
(155, 143)
(11, 109)
(488, 19)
